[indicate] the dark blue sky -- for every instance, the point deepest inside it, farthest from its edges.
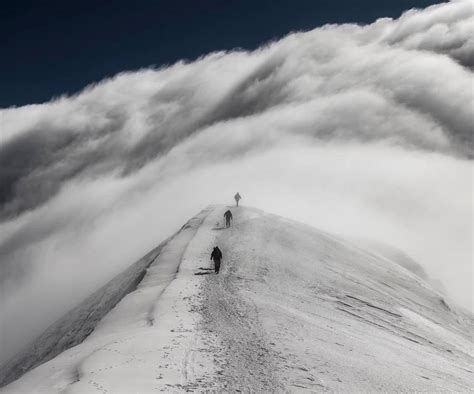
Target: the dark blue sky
(55, 47)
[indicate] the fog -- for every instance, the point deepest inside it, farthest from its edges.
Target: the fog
(364, 131)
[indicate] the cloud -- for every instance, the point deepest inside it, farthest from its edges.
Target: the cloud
(361, 130)
(446, 29)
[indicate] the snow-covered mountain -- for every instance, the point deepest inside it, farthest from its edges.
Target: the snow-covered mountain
(76, 325)
(292, 309)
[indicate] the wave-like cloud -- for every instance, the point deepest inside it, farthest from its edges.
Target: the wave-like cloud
(362, 130)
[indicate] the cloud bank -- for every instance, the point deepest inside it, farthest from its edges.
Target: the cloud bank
(361, 130)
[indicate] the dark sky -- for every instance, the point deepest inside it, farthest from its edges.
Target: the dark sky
(54, 47)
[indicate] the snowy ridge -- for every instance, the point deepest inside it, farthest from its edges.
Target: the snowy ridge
(77, 324)
(293, 309)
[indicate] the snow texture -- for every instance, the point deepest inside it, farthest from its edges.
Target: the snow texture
(292, 309)
(76, 325)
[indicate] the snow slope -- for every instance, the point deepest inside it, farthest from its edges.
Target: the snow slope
(293, 309)
(77, 324)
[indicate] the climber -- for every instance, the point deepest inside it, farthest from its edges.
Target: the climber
(237, 198)
(216, 256)
(228, 217)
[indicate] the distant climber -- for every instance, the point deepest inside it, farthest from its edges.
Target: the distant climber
(216, 256)
(228, 218)
(237, 198)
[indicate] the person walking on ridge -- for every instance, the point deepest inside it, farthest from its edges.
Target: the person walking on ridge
(216, 256)
(228, 218)
(237, 198)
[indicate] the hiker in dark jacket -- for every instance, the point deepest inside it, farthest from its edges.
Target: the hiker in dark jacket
(216, 256)
(228, 217)
(237, 199)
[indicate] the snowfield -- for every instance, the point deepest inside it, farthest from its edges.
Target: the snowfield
(292, 309)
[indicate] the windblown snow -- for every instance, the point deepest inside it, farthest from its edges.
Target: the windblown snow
(292, 309)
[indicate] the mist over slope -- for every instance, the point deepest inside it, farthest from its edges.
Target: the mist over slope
(292, 308)
(360, 130)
